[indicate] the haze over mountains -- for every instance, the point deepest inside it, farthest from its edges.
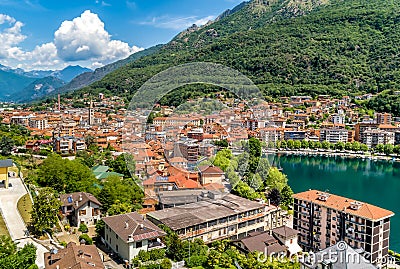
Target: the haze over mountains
(20, 85)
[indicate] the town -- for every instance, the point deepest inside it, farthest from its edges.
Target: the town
(195, 189)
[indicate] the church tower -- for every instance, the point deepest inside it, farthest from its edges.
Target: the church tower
(91, 113)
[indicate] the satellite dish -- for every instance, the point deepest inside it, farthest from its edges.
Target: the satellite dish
(53, 251)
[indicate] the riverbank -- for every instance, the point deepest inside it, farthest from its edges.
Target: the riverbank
(334, 153)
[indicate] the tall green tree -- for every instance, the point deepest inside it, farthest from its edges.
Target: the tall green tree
(116, 190)
(64, 175)
(45, 211)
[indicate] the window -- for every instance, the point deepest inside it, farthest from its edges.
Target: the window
(139, 244)
(82, 212)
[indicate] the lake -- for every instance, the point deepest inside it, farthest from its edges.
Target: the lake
(374, 182)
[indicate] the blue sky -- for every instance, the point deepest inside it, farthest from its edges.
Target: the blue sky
(51, 34)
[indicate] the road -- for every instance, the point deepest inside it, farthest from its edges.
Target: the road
(15, 225)
(8, 204)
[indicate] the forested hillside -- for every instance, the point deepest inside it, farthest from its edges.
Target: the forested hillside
(287, 47)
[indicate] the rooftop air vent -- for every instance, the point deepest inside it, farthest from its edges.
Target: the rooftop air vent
(323, 196)
(355, 205)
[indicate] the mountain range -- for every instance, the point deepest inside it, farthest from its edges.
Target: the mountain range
(287, 47)
(20, 85)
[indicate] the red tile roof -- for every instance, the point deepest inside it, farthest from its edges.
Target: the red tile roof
(340, 203)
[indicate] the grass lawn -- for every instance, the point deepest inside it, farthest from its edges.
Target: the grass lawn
(25, 207)
(3, 227)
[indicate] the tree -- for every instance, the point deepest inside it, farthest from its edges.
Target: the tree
(6, 145)
(254, 154)
(286, 194)
(263, 168)
(86, 238)
(325, 145)
(123, 164)
(274, 196)
(100, 228)
(348, 146)
(304, 144)
(64, 175)
(388, 149)
(222, 159)
(363, 147)
(283, 144)
(339, 146)
(317, 145)
(276, 179)
(255, 182)
(242, 189)
(7, 246)
(297, 144)
(355, 146)
(119, 208)
(290, 144)
(380, 148)
(44, 212)
(23, 258)
(124, 191)
(221, 143)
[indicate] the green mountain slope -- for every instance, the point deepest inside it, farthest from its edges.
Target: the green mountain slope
(89, 77)
(287, 47)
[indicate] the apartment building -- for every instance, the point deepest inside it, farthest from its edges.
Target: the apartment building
(334, 135)
(219, 217)
(68, 144)
(38, 123)
(372, 138)
(361, 127)
(323, 219)
(383, 118)
(188, 149)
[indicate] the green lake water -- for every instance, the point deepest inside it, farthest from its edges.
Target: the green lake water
(374, 182)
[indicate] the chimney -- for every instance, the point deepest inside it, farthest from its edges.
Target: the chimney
(141, 226)
(76, 203)
(80, 197)
(126, 225)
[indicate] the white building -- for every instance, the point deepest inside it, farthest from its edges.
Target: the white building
(334, 135)
(127, 234)
(80, 208)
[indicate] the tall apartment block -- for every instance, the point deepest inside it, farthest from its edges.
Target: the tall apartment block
(323, 219)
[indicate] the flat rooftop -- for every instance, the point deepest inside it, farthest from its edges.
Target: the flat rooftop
(201, 212)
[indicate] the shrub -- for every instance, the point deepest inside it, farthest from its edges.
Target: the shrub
(88, 240)
(83, 228)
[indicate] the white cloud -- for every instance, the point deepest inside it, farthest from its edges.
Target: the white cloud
(10, 37)
(83, 41)
(84, 38)
(177, 23)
